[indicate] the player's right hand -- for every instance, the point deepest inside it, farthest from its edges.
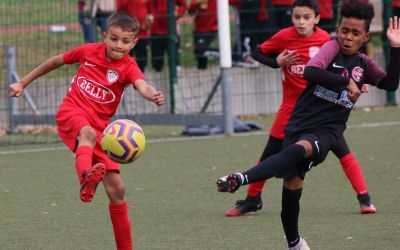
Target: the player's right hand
(15, 89)
(286, 57)
(353, 91)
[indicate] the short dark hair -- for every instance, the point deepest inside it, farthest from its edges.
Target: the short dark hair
(312, 4)
(362, 10)
(124, 21)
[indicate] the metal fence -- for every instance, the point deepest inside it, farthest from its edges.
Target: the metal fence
(38, 29)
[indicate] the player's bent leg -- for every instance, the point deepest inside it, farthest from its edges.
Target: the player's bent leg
(90, 181)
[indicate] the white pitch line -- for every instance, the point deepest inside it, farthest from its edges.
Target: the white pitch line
(374, 125)
(173, 139)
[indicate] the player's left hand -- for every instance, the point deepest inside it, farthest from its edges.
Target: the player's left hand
(158, 98)
(393, 32)
(364, 88)
(15, 89)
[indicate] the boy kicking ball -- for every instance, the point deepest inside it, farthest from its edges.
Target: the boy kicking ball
(105, 70)
(335, 78)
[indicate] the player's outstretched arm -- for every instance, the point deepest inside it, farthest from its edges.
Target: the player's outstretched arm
(393, 32)
(149, 92)
(390, 81)
(16, 89)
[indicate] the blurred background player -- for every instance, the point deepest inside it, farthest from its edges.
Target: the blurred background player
(105, 70)
(281, 13)
(251, 22)
(84, 22)
(97, 13)
(205, 29)
(295, 46)
(159, 31)
(335, 78)
(143, 11)
(328, 15)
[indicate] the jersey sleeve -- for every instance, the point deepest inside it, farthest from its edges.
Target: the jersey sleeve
(74, 55)
(273, 45)
(374, 73)
(134, 74)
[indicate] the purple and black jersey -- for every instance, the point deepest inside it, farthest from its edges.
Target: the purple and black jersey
(324, 104)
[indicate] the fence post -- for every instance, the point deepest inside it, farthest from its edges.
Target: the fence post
(172, 55)
(387, 13)
(225, 63)
(12, 102)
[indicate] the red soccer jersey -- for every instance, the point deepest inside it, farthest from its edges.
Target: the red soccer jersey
(305, 47)
(205, 20)
(99, 83)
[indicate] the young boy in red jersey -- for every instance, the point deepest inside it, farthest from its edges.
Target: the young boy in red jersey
(295, 46)
(335, 77)
(94, 94)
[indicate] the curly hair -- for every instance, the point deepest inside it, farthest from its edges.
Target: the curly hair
(359, 9)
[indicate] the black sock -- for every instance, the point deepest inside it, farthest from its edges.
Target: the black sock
(290, 214)
(273, 147)
(285, 159)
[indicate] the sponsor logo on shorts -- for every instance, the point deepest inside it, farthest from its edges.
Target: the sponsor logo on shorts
(95, 91)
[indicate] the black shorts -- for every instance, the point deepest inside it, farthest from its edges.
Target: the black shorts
(321, 141)
(340, 149)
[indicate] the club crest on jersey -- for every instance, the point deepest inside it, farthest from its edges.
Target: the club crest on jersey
(312, 51)
(112, 76)
(357, 74)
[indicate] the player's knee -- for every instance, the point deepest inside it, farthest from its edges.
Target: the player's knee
(88, 134)
(117, 192)
(294, 183)
(307, 147)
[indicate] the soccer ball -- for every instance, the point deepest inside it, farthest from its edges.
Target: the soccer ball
(123, 141)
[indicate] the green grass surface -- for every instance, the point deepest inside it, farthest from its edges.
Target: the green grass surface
(174, 203)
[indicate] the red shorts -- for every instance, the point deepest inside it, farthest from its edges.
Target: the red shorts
(70, 120)
(280, 122)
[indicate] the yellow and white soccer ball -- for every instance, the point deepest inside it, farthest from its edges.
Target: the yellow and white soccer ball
(123, 141)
